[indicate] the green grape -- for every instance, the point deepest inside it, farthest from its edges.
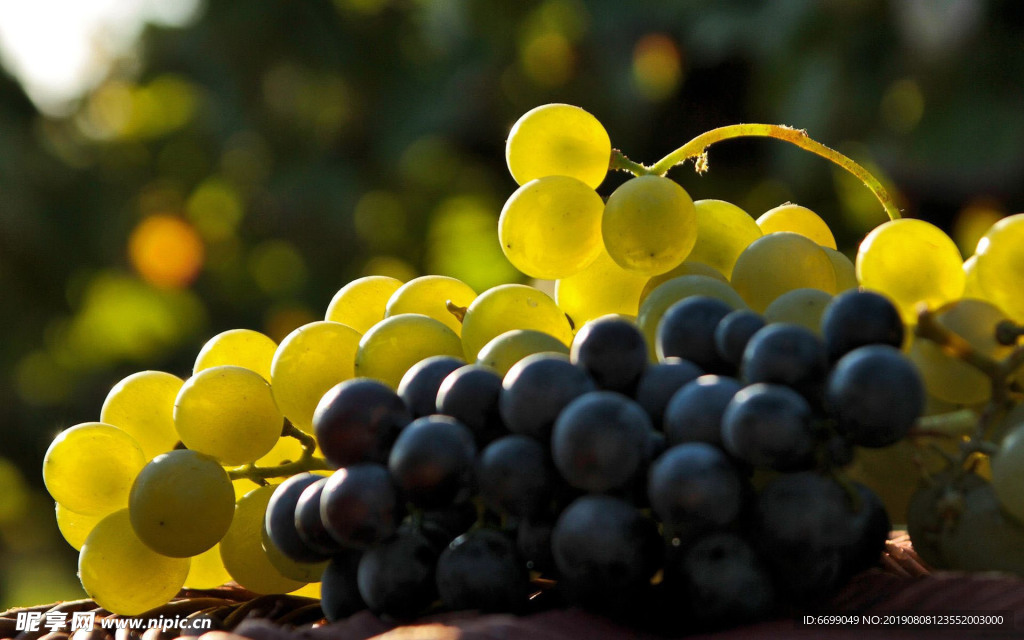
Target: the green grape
(301, 571)
(395, 344)
(309, 361)
(75, 527)
(507, 307)
(181, 503)
(1008, 471)
(239, 347)
(360, 304)
(649, 225)
(207, 571)
(142, 405)
(911, 261)
(602, 287)
(512, 346)
(551, 227)
(723, 232)
(984, 538)
(947, 377)
(1000, 265)
(122, 574)
(799, 306)
(846, 273)
(242, 551)
(793, 217)
(228, 413)
(558, 140)
(429, 295)
(90, 468)
(687, 268)
(780, 262)
(668, 293)
(932, 512)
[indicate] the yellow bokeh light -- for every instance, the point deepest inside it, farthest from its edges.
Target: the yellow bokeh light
(166, 251)
(973, 221)
(548, 59)
(461, 243)
(281, 321)
(380, 220)
(215, 208)
(902, 105)
(390, 266)
(277, 267)
(657, 66)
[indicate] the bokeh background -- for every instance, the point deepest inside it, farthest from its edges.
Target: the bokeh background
(171, 169)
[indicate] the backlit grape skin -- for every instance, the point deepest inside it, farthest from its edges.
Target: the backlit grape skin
(558, 140)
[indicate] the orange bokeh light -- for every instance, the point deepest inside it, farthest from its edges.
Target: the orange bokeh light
(166, 251)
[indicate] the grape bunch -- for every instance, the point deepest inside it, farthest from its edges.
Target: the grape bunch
(699, 428)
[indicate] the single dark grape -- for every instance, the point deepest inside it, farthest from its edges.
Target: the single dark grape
(481, 570)
(694, 488)
(613, 351)
(514, 476)
(769, 425)
(309, 524)
(339, 587)
(694, 413)
(536, 389)
(687, 330)
(786, 354)
(875, 394)
(419, 385)
(857, 318)
(659, 383)
(358, 421)
(397, 578)
(280, 520)
(359, 505)
(600, 440)
(470, 394)
(733, 333)
(432, 461)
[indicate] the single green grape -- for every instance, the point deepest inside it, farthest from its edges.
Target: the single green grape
(1000, 265)
(239, 347)
(911, 261)
(361, 303)
(181, 503)
(505, 350)
(75, 527)
(206, 570)
(649, 225)
(550, 227)
(395, 344)
(507, 307)
(984, 538)
(142, 405)
(793, 217)
(558, 140)
(601, 288)
(846, 272)
(668, 293)
(723, 232)
(90, 467)
(122, 574)
(241, 549)
(780, 262)
(799, 306)
(228, 413)
(308, 362)
(687, 268)
(429, 295)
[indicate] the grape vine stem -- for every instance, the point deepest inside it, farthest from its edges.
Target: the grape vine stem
(306, 462)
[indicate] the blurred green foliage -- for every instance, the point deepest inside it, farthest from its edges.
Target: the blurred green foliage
(244, 167)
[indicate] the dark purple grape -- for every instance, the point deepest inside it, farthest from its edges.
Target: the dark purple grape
(514, 476)
(470, 394)
(481, 570)
(694, 489)
(733, 333)
(536, 389)
(786, 354)
(859, 318)
(419, 385)
(397, 579)
(694, 413)
(280, 519)
(769, 425)
(358, 421)
(359, 505)
(339, 587)
(875, 394)
(600, 441)
(659, 383)
(432, 461)
(687, 330)
(309, 524)
(613, 351)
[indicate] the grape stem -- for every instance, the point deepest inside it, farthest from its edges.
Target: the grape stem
(698, 150)
(306, 462)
